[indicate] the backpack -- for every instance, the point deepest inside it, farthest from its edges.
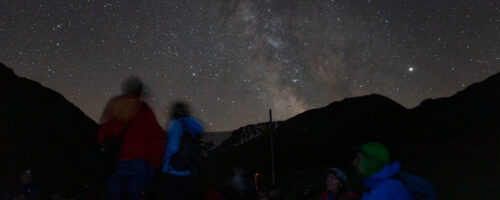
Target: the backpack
(107, 156)
(189, 149)
(108, 152)
(419, 188)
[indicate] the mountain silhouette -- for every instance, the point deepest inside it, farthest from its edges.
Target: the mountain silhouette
(451, 141)
(44, 132)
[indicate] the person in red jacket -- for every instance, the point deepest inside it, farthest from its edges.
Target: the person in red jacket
(142, 142)
(337, 187)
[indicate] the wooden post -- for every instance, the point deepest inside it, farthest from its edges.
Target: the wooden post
(272, 145)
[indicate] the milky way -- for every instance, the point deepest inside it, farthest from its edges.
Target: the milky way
(234, 60)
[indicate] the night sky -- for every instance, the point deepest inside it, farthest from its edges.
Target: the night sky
(234, 60)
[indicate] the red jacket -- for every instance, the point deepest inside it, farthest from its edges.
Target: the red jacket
(347, 195)
(144, 138)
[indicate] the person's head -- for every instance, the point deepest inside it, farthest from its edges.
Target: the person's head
(336, 180)
(132, 86)
(25, 176)
(370, 158)
(179, 110)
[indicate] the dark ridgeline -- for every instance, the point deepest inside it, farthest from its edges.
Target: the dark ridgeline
(451, 141)
(42, 131)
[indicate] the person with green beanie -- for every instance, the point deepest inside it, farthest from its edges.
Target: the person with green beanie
(373, 162)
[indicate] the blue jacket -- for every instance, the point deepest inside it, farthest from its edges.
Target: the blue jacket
(174, 134)
(381, 186)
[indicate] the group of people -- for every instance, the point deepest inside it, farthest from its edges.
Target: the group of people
(146, 148)
(372, 161)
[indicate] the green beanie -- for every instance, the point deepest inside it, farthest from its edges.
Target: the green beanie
(373, 157)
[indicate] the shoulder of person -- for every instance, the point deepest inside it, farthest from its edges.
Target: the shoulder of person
(387, 188)
(174, 124)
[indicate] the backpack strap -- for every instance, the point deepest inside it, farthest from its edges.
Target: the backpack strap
(184, 127)
(185, 130)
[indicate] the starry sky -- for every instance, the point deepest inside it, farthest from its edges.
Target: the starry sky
(234, 60)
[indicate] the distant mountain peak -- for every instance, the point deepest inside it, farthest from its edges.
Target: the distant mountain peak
(371, 98)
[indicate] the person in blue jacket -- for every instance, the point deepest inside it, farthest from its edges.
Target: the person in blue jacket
(372, 161)
(175, 183)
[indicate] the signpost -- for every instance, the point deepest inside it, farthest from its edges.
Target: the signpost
(272, 144)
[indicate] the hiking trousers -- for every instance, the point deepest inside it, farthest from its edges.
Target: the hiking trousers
(131, 180)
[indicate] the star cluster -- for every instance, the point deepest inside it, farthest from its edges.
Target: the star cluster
(234, 60)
